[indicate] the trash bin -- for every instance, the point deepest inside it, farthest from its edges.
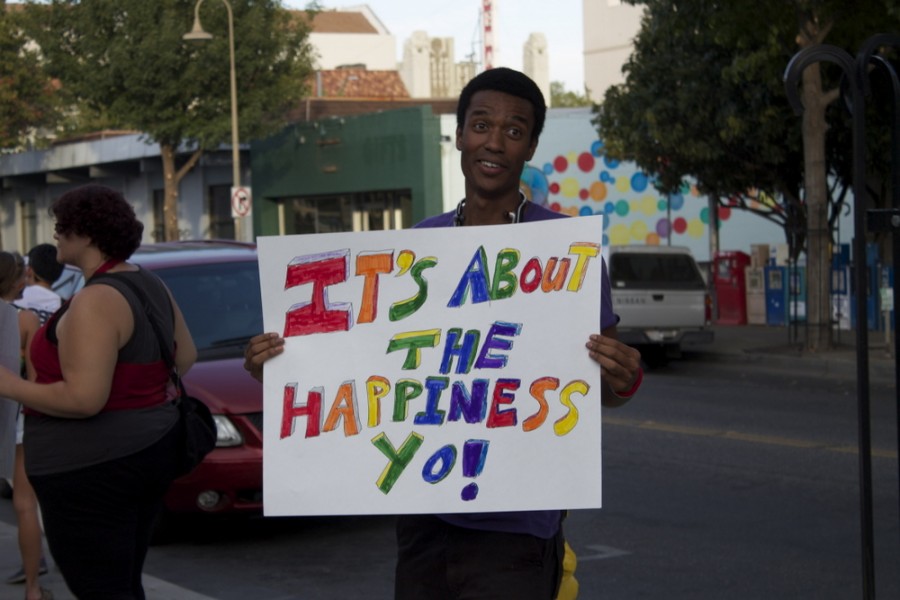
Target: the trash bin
(730, 287)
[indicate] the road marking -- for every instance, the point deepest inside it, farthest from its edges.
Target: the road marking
(773, 440)
(598, 552)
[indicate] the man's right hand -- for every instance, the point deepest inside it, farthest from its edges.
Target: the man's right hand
(261, 348)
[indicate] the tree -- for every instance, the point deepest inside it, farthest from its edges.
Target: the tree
(28, 98)
(704, 98)
(560, 98)
(124, 62)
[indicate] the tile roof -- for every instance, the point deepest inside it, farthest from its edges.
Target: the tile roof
(357, 83)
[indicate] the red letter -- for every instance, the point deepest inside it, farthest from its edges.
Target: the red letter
(317, 315)
(312, 410)
(503, 418)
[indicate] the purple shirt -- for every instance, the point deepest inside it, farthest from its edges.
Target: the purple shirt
(540, 523)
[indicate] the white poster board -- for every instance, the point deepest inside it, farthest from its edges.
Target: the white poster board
(433, 370)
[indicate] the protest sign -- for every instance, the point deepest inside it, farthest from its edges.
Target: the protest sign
(433, 370)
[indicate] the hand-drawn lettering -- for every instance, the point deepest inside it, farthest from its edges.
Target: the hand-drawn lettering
(565, 424)
(413, 342)
(317, 315)
(505, 283)
(404, 391)
(312, 410)
(446, 457)
(404, 308)
(471, 406)
(537, 390)
(370, 266)
(432, 415)
(398, 459)
(476, 277)
(494, 341)
(503, 418)
(464, 351)
(344, 407)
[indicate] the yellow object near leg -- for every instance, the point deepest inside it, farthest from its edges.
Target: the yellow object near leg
(568, 587)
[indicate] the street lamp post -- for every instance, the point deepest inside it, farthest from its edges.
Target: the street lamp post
(198, 33)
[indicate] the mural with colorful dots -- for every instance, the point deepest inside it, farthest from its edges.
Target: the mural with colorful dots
(586, 182)
(569, 173)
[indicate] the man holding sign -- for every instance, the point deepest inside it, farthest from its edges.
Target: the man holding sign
(518, 554)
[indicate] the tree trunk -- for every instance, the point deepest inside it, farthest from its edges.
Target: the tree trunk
(818, 266)
(172, 178)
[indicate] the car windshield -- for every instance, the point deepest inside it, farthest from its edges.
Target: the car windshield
(221, 305)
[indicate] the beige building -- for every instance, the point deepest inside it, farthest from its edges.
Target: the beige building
(609, 30)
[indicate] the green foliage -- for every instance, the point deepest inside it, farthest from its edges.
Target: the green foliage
(704, 97)
(560, 98)
(28, 98)
(124, 63)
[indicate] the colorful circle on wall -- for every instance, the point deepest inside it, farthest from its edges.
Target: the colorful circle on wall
(534, 185)
(639, 182)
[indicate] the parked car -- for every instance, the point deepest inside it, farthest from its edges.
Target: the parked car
(216, 285)
(661, 297)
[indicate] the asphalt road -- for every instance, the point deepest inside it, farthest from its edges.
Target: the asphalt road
(720, 481)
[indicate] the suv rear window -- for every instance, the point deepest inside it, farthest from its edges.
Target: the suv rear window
(644, 271)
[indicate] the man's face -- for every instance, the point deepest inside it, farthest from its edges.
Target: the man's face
(495, 141)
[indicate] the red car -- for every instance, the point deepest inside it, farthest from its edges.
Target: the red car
(216, 284)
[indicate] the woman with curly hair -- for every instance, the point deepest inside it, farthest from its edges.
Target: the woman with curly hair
(100, 429)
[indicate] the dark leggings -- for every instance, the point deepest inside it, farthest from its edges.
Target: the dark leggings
(98, 519)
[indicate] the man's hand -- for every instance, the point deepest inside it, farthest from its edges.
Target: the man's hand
(619, 363)
(261, 348)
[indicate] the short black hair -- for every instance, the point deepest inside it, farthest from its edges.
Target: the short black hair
(101, 214)
(508, 81)
(42, 260)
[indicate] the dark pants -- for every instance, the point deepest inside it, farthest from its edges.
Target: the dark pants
(439, 561)
(98, 519)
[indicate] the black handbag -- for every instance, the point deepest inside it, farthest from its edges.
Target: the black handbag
(198, 429)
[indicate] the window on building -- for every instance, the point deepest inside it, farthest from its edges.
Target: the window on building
(221, 223)
(365, 211)
(29, 223)
(159, 216)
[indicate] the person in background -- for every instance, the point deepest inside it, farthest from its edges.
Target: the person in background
(101, 433)
(43, 271)
(37, 301)
(12, 283)
(500, 116)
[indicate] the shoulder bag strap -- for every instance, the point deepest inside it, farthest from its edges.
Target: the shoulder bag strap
(163, 348)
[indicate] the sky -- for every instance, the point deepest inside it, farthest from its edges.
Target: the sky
(514, 21)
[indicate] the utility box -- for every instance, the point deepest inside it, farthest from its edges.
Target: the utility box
(756, 295)
(776, 295)
(796, 275)
(730, 287)
(759, 255)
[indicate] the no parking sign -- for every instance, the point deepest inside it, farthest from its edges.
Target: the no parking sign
(241, 202)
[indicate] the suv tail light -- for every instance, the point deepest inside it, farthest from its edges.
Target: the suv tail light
(708, 309)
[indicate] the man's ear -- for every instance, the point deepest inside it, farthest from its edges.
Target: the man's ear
(532, 149)
(459, 139)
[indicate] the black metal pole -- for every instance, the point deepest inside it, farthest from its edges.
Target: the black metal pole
(891, 223)
(792, 75)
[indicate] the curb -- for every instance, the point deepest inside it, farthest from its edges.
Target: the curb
(841, 366)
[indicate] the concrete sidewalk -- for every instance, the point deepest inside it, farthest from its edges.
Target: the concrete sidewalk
(784, 348)
(10, 561)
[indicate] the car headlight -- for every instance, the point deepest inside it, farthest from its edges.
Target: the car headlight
(227, 435)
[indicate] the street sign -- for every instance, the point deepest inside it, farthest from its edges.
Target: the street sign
(241, 202)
